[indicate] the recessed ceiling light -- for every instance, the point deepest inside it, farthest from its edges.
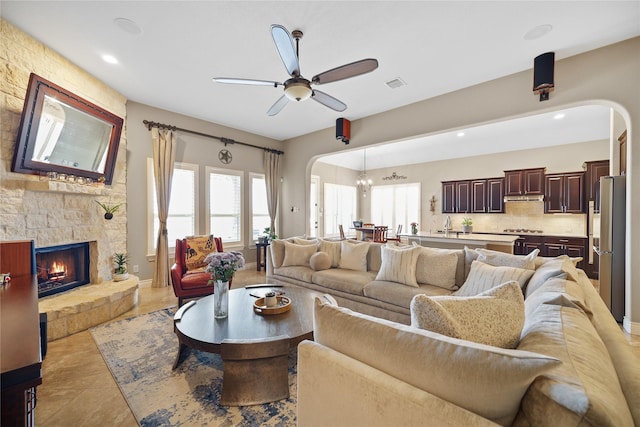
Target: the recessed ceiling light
(128, 25)
(537, 32)
(460, 134)
(110, 59)
(559, 116)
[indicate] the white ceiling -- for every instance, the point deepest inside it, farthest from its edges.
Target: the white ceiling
(434, 46)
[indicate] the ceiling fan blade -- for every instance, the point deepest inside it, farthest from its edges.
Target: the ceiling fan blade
(328, 101)
(232, 80)
(279, 105)
(286, 49)
(345, 71)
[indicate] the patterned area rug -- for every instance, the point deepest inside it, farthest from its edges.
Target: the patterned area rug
(140, 352)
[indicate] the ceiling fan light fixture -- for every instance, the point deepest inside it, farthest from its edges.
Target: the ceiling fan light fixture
(298, 90)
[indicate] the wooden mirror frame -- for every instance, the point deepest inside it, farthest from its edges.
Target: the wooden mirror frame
(23, 161)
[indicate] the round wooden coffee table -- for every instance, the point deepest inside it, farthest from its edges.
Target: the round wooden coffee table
(254, 347)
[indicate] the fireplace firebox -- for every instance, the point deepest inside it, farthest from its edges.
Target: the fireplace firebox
(63, 267)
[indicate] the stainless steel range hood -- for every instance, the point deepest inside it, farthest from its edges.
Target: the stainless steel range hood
(539, 198)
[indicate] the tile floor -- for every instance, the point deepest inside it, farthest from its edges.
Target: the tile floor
(78, 389)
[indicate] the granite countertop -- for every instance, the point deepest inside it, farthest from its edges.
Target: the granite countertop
(514, 233)
(475, 237)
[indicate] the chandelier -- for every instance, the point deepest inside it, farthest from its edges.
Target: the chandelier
(364, 183)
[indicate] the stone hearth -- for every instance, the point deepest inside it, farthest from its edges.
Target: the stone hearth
(81, 308)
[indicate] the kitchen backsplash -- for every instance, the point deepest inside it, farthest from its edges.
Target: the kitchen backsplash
(518, 215)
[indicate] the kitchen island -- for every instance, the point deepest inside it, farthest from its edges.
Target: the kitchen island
(455, 240)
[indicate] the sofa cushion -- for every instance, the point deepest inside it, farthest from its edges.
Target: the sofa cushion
(508, 260)
(584, 389)
(483, 277)
(438, 267)
(320, 261)
(399, 265)
(353, 255)
(494, 317)
(489, 381)
(349, 281)
(304, 241)
(557, 267)
(276, 247)
(333, 248)
(197, 249)
(295, 254)
(374, 256)
(557, 291)
(470, 255)
(396, 294)
(298, 272)
(195, 280)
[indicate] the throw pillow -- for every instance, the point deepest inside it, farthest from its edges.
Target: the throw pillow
(508, 260)
(543, 273)
(320, 261)
(494, 317)
(437, 267)
(541, 260)
(353, 255)
(277, 252)
(483, 277)
(331, 247)
(301, 241)
(399, 265)
(297, 254)
(470, 255)
(489, 381)
(198, 247)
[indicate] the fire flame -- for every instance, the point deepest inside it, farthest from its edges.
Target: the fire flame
(58, 268)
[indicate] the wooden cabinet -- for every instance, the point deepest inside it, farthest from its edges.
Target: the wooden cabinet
(593, 172)
(463, 196)
(524, 182)
(456, 196)
(564, 193)
(495, 195)
(479, 196)
(449, 197)
(527, 244)
(570, 246)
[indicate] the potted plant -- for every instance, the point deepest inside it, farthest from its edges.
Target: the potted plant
(269, 235)
(414, 228)
(467, 225)
(120, 271)
(108, 210)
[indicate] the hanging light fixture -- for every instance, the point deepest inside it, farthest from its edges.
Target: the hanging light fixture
(364, 183)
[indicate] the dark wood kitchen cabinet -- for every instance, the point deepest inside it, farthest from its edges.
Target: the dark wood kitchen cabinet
(495, 195)
(570, 246)
(527, 244)
(564, 193)
(593, 172)
(456, 196)
(524, 182)
(479, 196)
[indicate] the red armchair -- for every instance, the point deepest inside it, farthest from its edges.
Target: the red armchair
(191, 285)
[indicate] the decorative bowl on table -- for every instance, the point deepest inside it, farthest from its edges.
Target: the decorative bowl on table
(283, 305)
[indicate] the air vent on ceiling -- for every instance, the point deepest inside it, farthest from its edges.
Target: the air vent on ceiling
(395, 83)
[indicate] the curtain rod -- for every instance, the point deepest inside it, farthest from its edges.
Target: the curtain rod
(225, 141)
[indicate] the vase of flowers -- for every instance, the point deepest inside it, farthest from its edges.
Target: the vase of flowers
(222, 266)
(414, 228)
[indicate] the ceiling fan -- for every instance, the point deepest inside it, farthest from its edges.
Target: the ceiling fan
(297, 88)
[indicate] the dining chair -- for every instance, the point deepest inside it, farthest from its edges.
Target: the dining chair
(380, 233)
(396, 238)
(341, 232)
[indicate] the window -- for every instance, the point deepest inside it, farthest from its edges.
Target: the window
(183, 206)
(224, 207)
(259, 211)
(395, 204)
(339, 207)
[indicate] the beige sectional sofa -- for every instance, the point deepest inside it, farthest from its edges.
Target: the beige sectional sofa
(571, 365)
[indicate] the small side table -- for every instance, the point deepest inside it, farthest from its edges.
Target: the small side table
(261, 255)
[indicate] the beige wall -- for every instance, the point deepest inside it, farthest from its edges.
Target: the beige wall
(191, 149)
(56, 213)
(608, 76)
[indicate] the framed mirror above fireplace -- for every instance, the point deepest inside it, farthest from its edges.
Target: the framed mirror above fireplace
(63, 133)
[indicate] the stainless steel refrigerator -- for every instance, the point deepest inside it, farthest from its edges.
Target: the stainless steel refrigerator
(610, 242)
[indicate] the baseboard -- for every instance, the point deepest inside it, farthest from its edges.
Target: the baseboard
(631, 327)
(145, 283)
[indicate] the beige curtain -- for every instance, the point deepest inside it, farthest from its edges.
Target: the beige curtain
(164, 154)
(272, 173)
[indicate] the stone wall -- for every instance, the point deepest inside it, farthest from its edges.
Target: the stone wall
(50, 212)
